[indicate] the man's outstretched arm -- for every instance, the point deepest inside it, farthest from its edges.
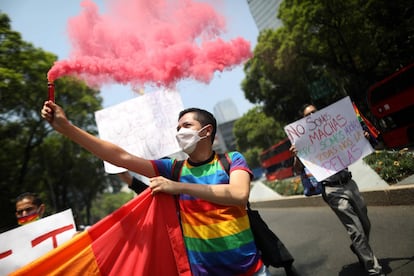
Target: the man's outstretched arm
(105, 150)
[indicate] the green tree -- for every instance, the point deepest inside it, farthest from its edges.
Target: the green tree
(326, 50)
(22, 69)
(279, 89)
(106, 203)
(252, 157)
(255, 132)
(32, 156)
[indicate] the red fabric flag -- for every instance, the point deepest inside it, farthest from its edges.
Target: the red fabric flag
(143, 237)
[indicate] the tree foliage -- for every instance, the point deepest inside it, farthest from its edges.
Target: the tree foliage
(32, 156)
(326, 50)
(252, 156)
(256, 127)
(106, 203)
(255, 132)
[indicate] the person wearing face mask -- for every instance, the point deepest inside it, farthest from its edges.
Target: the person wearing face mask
(29, 208)
(212, 204)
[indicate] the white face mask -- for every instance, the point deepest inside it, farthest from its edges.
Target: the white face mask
(188, 138)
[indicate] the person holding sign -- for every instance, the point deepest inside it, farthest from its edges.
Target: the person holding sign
(138, 186)
(134, 183)
(341, 193)
(29, 208)
(212, 203)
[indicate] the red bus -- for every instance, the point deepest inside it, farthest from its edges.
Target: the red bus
(277, 161)
(392, 103)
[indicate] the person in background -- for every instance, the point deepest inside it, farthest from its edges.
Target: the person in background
(29, 208)
(341, 193)
(133, 183)
(212, 204)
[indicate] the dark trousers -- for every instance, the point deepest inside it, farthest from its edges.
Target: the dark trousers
(348, 204)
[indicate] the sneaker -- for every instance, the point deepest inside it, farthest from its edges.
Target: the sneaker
(381, 273)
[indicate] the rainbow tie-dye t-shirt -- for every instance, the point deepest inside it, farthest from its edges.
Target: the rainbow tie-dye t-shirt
(218, 238)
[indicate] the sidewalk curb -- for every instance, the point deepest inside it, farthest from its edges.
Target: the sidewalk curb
(394, 195)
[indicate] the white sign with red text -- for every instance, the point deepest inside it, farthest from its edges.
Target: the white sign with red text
(26, 243)
(145, 126)
(329, 140)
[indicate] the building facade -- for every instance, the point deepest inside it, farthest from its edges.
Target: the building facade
(225, 111)
(264, 13)
(226, 114)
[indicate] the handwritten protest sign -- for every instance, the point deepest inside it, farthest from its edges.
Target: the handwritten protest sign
(26, 243)
(329, 140)
(145, 126)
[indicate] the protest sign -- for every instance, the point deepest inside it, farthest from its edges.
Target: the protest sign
(142, 237)
(145, 126)
(26, 243)
(329, 140)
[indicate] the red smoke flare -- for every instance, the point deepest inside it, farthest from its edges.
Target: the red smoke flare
(139, 42)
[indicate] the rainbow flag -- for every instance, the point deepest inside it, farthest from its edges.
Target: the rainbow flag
(367, 126)
(143, 237)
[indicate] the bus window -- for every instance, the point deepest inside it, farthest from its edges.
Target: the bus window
(277, 161)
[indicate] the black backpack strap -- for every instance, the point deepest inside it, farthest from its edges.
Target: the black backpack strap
(176, 169)
(225, 161)
(175, 173)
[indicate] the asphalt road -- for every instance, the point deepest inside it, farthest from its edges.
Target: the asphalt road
(320, 245)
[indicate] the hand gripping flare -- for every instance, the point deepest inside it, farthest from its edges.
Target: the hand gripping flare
(51, 91)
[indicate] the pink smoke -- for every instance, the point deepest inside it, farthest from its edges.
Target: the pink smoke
(141, 42)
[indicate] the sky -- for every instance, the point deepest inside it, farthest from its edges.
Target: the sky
(44, 24)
